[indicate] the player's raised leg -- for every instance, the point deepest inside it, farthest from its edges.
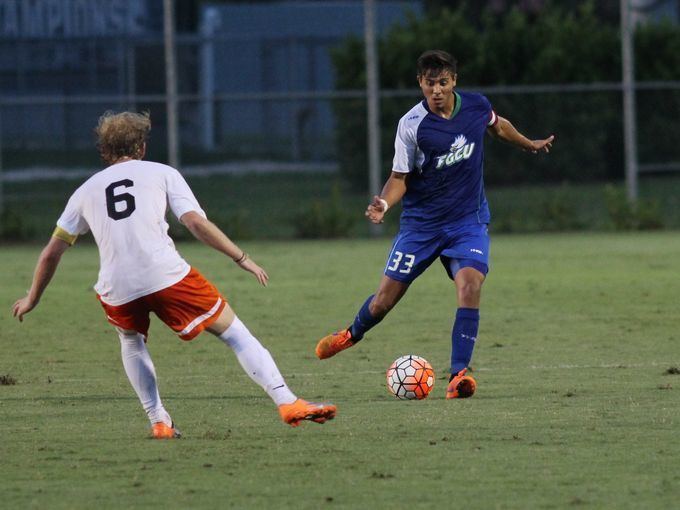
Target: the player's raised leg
(370, 314)
(142, 376)
(258, 363)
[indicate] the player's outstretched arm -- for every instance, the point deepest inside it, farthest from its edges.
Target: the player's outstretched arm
(44, 271)
(208, 233)
(394, 189)
(504, 130)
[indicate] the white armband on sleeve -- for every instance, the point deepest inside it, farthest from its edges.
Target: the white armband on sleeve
(493, 119)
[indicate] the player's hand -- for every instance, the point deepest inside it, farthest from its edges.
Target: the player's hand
(22, 307)
(376, 210)
(542, 145)
(250, 266)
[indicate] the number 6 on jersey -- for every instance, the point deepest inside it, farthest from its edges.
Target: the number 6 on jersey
(112, 200)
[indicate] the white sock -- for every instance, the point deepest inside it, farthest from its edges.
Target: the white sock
(257, 362)
(142, 375)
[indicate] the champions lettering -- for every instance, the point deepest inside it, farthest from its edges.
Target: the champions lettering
(459, 151)
(71, 18)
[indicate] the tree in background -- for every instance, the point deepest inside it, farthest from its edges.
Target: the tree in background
(555, 44)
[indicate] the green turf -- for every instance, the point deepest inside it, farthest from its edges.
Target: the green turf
(574, 407)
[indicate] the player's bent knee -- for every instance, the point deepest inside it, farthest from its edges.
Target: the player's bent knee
(469, 284)
(470, 293)
(223, 321)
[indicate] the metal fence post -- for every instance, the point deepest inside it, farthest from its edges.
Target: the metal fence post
(208, 29)
(373, 103)
(629, 117)
(171, 81)
(2, 181)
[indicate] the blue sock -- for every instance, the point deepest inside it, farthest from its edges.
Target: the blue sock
(463, 338)
(363, 321)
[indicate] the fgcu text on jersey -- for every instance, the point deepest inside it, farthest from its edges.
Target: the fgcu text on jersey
(445, 160)
(459, 150)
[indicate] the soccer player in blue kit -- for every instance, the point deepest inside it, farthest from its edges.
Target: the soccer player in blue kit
(437, 174)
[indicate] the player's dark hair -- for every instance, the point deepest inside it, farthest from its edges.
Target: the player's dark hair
(122, 135)
(435, 62)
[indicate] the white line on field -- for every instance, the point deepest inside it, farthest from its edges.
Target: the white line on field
(563, 366)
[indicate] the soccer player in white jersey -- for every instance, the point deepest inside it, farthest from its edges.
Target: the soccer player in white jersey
(437, 174)
(124, 206)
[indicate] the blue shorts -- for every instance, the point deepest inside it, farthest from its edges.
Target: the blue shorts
(456, 246)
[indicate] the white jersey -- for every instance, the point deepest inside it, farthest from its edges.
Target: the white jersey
(124, 206)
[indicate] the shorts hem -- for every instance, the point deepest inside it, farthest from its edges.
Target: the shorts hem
(204, 324)
(407, 279)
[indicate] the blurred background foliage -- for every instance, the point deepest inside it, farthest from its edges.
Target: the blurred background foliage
(560, 45)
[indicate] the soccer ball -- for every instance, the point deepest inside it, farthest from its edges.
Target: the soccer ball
(410, 377)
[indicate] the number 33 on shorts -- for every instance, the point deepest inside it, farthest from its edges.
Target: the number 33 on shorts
(406, 261)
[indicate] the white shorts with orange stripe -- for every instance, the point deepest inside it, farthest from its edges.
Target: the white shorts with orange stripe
(188, 307)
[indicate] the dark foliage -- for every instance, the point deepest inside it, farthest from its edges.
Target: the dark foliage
(516, 47)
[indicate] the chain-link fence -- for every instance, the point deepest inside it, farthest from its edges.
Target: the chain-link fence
(267, 105)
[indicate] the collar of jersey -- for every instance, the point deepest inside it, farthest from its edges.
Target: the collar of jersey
(456, 106)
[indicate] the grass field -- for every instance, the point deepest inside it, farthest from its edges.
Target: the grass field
(575, 406)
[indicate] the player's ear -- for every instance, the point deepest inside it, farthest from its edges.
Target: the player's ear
(454, 78)
(142, 152)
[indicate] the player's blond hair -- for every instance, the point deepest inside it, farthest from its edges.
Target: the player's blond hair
(122, 135)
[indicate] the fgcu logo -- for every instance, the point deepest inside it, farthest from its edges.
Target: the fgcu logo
(459, 151)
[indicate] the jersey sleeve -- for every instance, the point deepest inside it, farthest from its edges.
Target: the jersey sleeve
(71, 222)
(405, 145)
(492, 117)
(180, 197)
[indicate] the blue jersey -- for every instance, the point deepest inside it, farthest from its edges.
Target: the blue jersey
(444, 159)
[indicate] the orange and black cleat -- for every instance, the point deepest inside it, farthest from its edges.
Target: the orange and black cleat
(162, 431)
(332, 344)
(461, 386)
(300, 410)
